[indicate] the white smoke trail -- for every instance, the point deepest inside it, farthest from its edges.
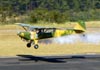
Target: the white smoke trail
(67, 39)
(89, 38)
(92, 38)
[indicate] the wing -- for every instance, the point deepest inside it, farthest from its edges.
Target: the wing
(25, 26)
(28, 27)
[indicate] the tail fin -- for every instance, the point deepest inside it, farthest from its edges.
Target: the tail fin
(80, 26)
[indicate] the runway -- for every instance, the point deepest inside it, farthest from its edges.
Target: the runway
(69, 62)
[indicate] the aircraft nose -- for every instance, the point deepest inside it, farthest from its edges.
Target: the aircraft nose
(24, 35)
(21, 34)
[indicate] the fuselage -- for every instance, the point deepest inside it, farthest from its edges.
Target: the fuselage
(28, 35)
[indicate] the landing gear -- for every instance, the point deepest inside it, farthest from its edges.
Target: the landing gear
(36, 46)
(28, 45)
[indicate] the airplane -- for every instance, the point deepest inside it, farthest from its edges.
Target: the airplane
(33, 34)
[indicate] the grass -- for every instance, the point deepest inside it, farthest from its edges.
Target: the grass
(11, 45)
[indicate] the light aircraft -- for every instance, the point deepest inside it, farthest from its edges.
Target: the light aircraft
(33, 34)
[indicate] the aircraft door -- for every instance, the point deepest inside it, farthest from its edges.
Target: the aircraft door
(33, 35)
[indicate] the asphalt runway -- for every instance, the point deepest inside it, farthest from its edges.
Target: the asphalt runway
(29, 62)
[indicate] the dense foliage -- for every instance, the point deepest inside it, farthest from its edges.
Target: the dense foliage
(49, 10)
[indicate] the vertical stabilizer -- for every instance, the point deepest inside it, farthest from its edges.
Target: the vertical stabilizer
(80, 26)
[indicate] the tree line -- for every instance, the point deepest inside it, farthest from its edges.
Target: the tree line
(50, 10)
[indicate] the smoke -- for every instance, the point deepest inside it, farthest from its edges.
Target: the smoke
(66, 39)
(87, 38)
(93, 38)
(61, 40)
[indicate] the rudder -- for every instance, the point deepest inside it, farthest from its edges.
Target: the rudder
(80, 26)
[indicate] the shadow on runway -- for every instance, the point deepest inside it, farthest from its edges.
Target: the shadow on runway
(51, 59)
(37, 58)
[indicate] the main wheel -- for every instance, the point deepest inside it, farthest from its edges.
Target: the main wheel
(28, 45)
(36, 46)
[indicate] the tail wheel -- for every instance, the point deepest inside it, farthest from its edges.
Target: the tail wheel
(28, 45)
(36, 46)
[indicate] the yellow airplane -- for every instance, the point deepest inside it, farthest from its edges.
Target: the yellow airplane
(33, 34)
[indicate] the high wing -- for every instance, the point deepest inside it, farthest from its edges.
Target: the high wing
(25, 26)
(28, 27)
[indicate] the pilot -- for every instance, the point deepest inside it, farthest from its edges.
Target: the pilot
(38, 31)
